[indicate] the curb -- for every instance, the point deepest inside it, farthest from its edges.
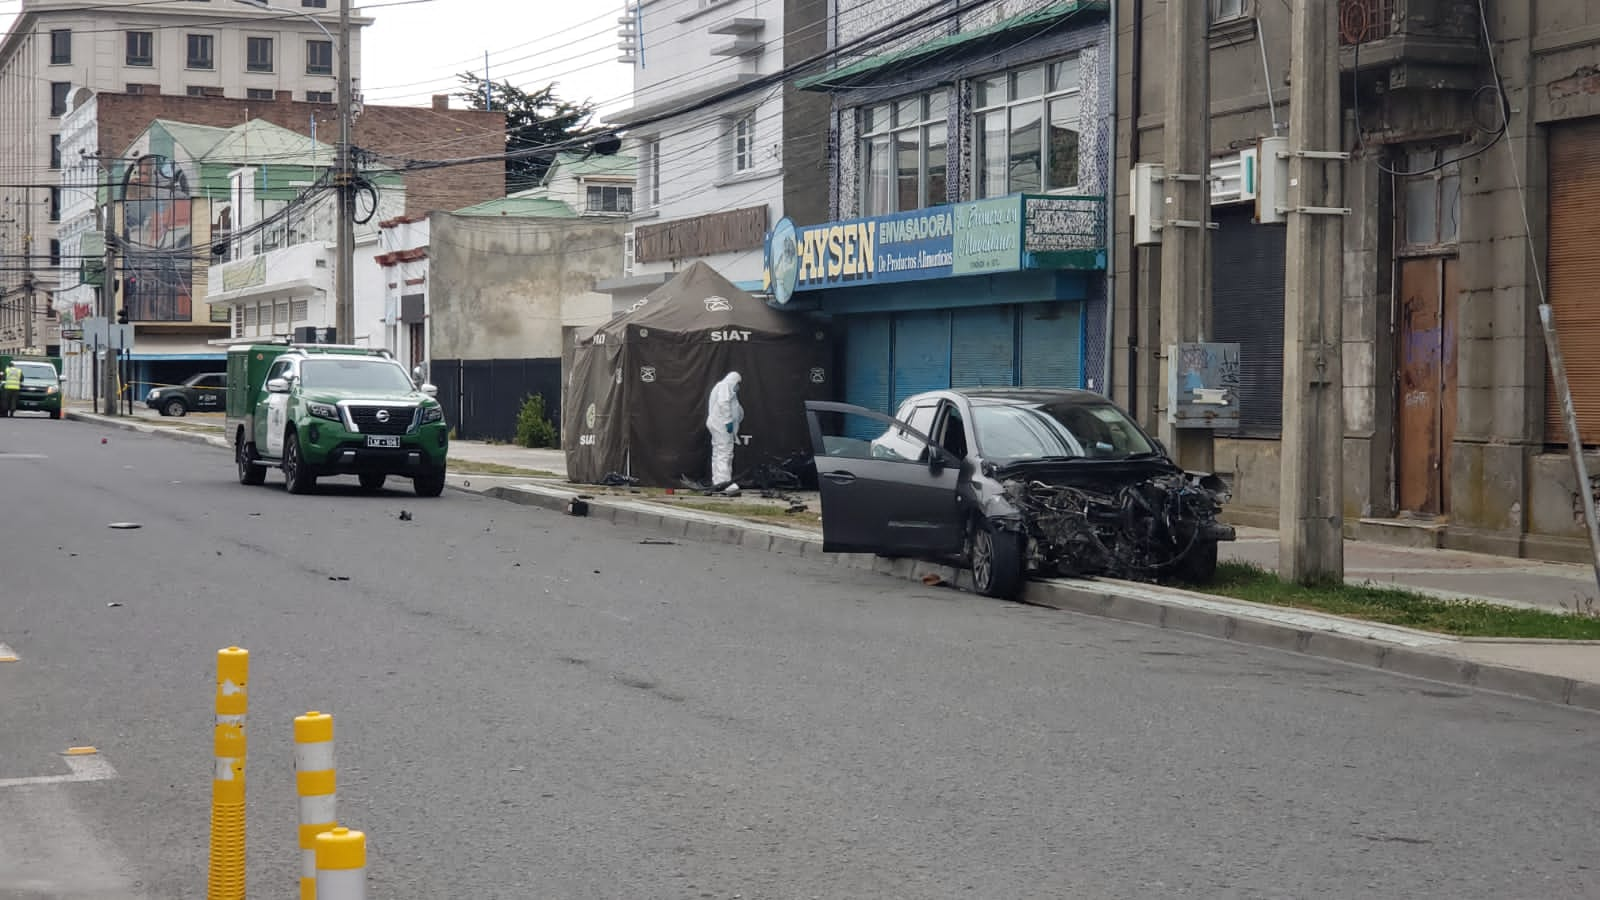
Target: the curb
(1102, 599)
(1106, 600)
(192, 437)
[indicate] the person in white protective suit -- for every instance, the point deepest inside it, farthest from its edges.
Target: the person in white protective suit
(723, 417)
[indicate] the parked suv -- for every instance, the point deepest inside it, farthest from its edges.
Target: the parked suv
(202, 393)
(319, 410)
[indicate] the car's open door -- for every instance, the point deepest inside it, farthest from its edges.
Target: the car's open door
(886, 488)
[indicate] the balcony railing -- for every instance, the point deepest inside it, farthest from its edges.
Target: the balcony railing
(1361, 21)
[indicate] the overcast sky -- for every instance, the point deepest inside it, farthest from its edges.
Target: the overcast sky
(413, 51)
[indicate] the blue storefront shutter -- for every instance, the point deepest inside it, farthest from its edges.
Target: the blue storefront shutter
(983, 344)
(866, 369)
(921, 353)
(1052, 345)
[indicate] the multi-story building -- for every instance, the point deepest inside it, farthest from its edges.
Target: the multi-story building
(98, 129)
(1474, 138)
(971, 151)
(710, 173)
(176, 47)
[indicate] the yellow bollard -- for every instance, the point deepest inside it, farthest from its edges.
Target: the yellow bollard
(342, 865)
(227, 781)
(314, 780)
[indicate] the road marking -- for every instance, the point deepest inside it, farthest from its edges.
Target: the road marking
(86, 765)
(22, 456)
(7, 654)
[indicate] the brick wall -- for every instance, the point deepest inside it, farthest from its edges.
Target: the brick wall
(402, 131)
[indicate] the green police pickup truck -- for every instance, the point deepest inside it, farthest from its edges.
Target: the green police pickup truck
(41, 383)
(315, 410)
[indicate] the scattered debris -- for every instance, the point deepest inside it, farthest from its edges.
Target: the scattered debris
(577, 507)
(933, 579)
(404, 516)
(597, 571)
(617, 479)
(338, 577)
(124, 526)
(102, 440)
(466, 483)
(255, 515)
(658, 542)
(796, 507)
(516, 565)
(112, 604)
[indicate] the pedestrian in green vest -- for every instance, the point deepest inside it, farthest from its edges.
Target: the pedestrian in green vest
(9, 389)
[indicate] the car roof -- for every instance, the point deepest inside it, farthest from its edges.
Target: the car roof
(999, 396)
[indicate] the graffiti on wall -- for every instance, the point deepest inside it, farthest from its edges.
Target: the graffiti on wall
(158, 277)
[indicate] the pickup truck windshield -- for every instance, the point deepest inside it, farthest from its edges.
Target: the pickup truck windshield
(38, 373)
(355, 375)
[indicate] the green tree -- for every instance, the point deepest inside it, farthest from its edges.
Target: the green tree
(533, 119)
(533, 429)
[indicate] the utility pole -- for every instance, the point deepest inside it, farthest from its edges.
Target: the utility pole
(108, 296)
(344, 283)
(27, 271)
(1311, 514)
(1186, 235)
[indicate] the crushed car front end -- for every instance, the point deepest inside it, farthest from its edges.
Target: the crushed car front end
(1147, 522)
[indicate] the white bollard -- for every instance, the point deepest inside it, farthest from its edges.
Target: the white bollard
(315, 782)
(341, 865)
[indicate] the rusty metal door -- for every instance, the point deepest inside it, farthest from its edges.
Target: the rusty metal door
(1427, 398)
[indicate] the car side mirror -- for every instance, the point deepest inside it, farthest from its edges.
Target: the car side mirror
(430, 390)
(937, 459)
(277, 386)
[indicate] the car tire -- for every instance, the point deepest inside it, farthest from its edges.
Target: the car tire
(372, 481)
(295, 476)
(429, 485)
(996, 559)
(244, 455)
(175, 407)
(1199, 565)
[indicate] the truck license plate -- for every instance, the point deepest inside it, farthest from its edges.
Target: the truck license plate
(378, 440)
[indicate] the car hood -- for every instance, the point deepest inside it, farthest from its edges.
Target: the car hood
(1089, 473)
(331, 395)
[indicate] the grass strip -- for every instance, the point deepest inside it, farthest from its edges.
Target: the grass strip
(1392, 606)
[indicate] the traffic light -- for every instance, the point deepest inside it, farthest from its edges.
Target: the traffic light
(122, 316)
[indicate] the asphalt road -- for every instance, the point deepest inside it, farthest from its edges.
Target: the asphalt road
(530, 705)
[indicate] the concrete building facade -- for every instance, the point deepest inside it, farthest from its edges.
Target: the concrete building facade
(179, 48)
(1474, 139)
(710, 176)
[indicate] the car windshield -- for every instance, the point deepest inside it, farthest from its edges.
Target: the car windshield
(1057, 430)
(38, 373)
(354, 375)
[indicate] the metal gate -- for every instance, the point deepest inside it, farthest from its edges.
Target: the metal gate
(482, 397)
(1427, 364)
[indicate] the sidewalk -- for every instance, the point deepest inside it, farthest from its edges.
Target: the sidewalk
(1558, 671)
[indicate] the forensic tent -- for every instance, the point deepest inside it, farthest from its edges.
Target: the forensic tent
(635, 402)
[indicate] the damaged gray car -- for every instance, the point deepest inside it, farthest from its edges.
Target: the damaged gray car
(1010, 482)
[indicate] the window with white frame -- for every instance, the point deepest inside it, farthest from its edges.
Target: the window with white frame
(650, 171)
(300, 311)
(1027, 130)
(742, 141)
(610, 199)
(904, 154)
(238, 322)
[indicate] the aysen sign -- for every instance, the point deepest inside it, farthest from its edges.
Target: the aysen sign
(899, 247)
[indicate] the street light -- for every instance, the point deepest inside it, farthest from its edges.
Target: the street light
(344, 284)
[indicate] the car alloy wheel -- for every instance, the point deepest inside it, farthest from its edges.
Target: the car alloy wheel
(983, 560)
(174, 407)
(249, 472)
(295, 477)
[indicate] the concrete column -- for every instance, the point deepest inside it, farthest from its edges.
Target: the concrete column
(1310, 515)
(1369, 351)
(1185, 239)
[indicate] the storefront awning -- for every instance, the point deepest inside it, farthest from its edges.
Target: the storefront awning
(1048, 16)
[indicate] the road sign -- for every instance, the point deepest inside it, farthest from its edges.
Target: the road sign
(102, 332)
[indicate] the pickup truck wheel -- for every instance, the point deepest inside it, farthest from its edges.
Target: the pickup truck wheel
(372, 481)
(997, 562)
(295, 476)
(244, 454)
(175, 407)
(429, 485)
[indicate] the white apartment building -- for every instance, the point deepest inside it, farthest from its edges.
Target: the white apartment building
(206, 48)
(710, 180)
